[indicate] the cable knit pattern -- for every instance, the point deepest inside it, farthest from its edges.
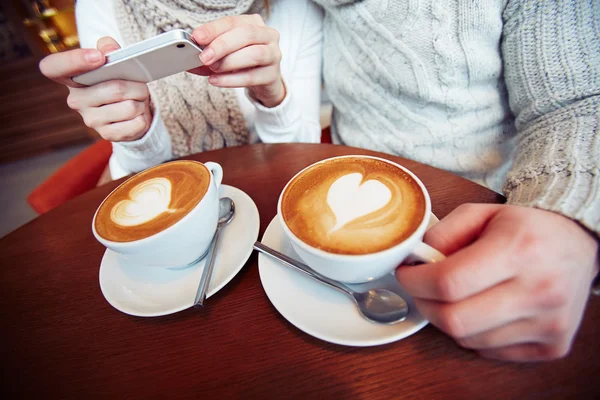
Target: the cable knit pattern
(198, 116)
(431, 81)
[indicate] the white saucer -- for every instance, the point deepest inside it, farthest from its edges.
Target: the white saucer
(151, 292)
(325, 313)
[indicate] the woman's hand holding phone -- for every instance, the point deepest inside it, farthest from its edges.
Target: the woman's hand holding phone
(118, 110)
(241, 51)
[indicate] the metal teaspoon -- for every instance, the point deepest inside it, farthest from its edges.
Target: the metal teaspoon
(378, 305)
(226, 214)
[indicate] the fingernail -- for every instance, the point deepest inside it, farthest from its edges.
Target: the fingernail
(200, 34)
(216, 66)
(92, 56)
(213, 79)
(207, 55)
(110, 49)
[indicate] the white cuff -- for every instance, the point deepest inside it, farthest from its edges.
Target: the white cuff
(152, 143)
(279, 118)
(135, 156)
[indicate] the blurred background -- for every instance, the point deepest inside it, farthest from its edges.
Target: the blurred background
(47, 154)
(38, 132)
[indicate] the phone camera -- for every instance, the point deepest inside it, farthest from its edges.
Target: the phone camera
(181, 45)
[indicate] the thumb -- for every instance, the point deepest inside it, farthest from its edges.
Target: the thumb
(107, 45)
(60, 67)
(461, 227)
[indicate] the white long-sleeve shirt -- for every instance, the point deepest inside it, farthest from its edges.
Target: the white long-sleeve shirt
(296, 119)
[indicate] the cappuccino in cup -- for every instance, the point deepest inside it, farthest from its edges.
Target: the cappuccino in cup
(152, 201)
(356, 218)
(164, 216)
(353, 205)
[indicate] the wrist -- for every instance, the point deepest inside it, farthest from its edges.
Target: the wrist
(271, 95)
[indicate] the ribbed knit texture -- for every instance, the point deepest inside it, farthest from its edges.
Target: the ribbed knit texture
(198, 116)
(552, 71)
(431, 81)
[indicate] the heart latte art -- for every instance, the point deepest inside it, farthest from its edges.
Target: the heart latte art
(350, 198)
(353, 205)
(152, 201)
(147, 201)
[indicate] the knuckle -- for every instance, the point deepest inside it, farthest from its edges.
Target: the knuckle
(118, 90)
(271, 79)
(73, 102)
(247, 80)
(252, 32)
(451, 323)
(229, 21)
(466, 208)
(257, 19)
(261, 55)
(208, 31)
(468, 343)
(550, 293)
(558, 327)
(145, 90)
(446, 287)
(138, 126)
(90, 121)
(130, 108)
(482, 341)
(218, 45)
(439, 238)
(556, 351)
(530, 246)
(278, 56)
(275, 34)
(107, 133)
(274, 54)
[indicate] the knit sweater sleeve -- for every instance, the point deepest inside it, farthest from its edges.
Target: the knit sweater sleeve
(551, 54)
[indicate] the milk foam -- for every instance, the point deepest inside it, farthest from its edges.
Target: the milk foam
(353, 205)
(350, 198)
(147, 200)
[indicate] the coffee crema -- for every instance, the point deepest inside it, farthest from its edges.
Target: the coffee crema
(353, 205)
(152, 201)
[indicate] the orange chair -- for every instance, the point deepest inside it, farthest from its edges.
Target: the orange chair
(77, 176)
(81, 174)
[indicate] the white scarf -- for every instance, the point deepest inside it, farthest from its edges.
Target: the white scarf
(198, 116)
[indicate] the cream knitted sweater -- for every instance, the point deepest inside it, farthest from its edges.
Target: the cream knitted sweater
(501, 92)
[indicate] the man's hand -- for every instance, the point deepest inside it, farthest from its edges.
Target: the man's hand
(118, 110)
(514, 285)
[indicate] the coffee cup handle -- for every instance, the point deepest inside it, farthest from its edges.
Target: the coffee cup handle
(216, 170)
(423, 253)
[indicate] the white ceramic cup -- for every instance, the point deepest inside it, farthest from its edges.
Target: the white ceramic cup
(181, 244)
(361, 268)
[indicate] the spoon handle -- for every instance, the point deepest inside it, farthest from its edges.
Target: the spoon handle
(305, 269)
(208, 269)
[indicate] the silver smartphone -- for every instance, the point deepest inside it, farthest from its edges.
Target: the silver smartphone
(151, 59)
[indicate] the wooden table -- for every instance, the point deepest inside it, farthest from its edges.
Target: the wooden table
(61, 339)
